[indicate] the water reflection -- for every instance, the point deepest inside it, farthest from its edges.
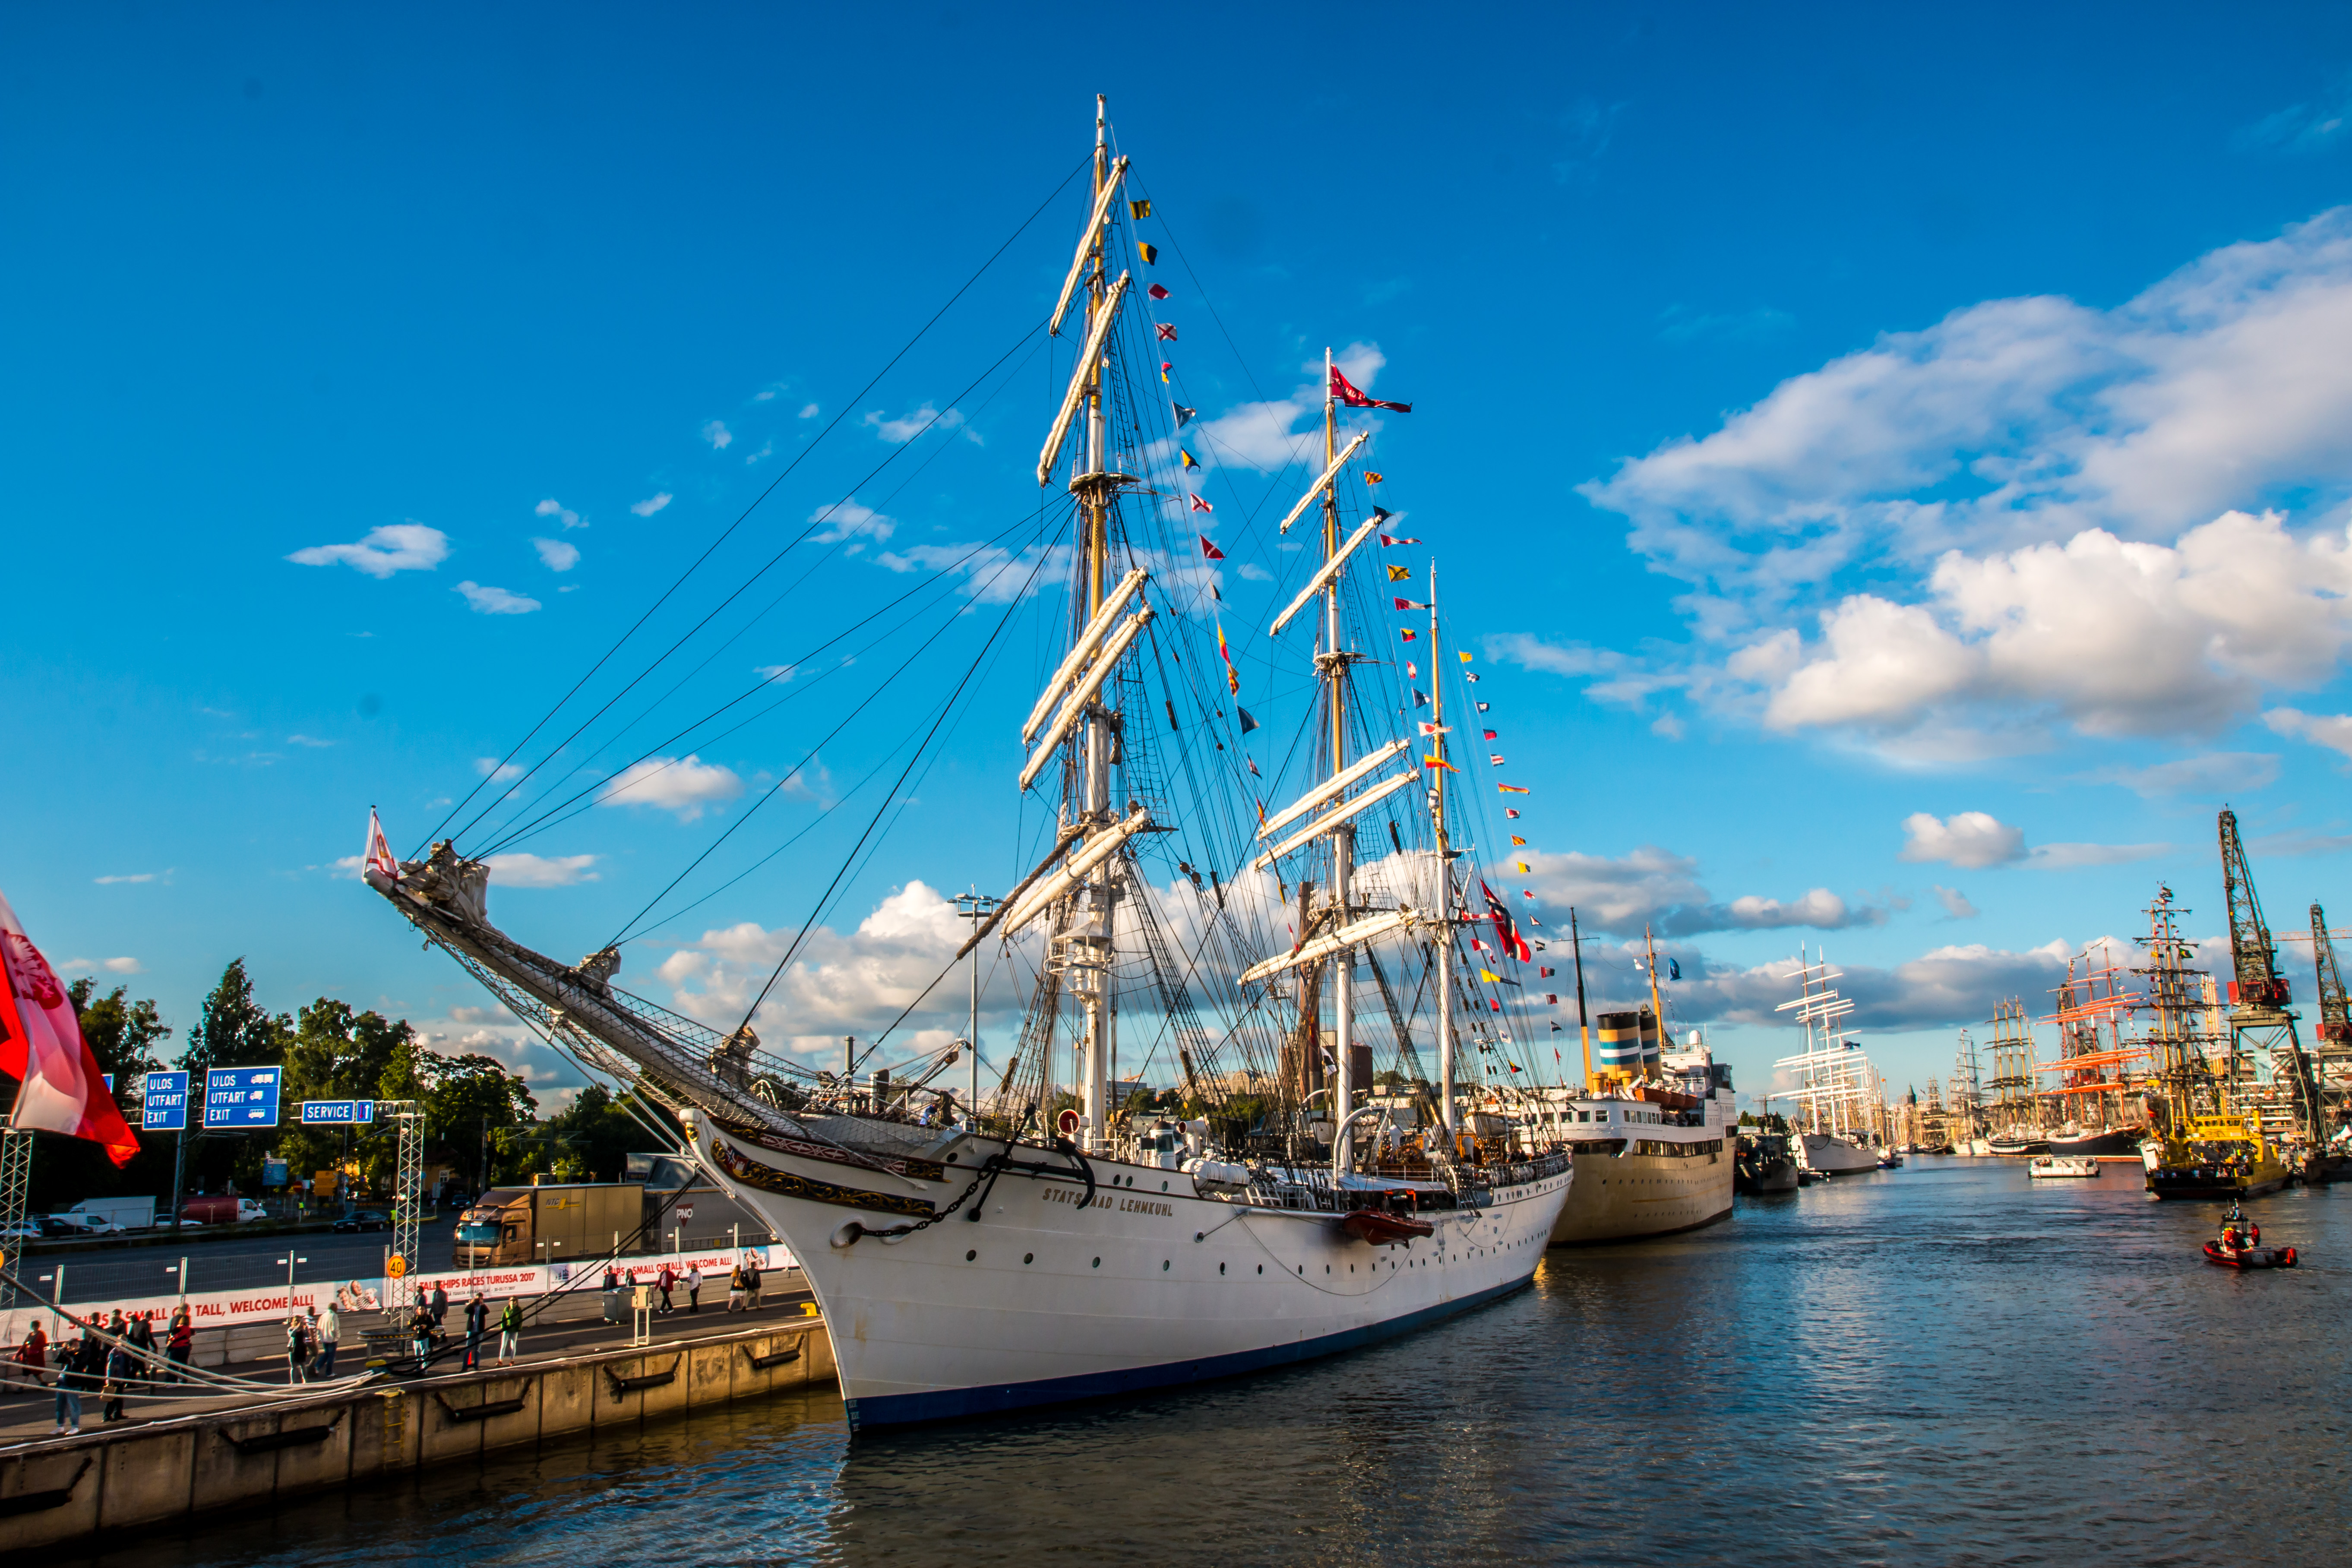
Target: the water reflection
(1940, 1364)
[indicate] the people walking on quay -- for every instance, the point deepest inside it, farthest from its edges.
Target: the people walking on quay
(180, 1343)
(141, 1336)
(298, 1349)
(667, 1278)
(477, 1324)
(510, 1331)
(440, 1308)
(612, 1294)
(331, 1332)
(420, 1330)
(83, 1369)
(32, 1357)
(694, 1286)
(751, 1281)
(735, 1288)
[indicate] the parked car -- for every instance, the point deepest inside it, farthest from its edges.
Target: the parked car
(364, 1219)
(41, 1227)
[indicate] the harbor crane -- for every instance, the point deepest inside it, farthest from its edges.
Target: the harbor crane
(2260, 1023)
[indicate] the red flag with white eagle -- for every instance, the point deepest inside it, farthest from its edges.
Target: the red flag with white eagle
(1344, 392)
(62, 1089)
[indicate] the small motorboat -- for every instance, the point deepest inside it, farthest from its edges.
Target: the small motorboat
(2240, 1246)
(2051, 1166)
(1385, 1227)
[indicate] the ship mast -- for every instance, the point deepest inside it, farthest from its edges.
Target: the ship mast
(1334, 688)
(1445, 868)
(1093, 934)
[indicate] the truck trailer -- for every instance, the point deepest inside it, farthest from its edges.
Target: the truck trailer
(558, 1223)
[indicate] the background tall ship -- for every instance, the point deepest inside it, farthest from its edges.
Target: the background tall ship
(1041, 1241)
(1838, 1095)
(2099, 1111)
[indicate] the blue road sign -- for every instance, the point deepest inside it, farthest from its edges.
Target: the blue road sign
(337, 1112)
(165, 1101)
(237, 1099)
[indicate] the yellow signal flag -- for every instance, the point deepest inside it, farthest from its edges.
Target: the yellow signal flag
(1141, 209)
(1150, 253)
(1523, 867)
(1400, 573)
(1463, 657)
(1490, 977)
(1370, 478)
(1516, 839)
(1190, 461)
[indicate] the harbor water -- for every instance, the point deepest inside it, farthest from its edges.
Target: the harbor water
(1945, 1363)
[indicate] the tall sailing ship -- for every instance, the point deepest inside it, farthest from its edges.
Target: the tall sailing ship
(1042, 1243)
(2102, 1109)
(1837, 1090)
(2016, 1112)
(2210, 1147)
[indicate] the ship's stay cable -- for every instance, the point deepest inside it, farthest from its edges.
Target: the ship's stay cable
(785, 473)
(786, 777)
(507, 834)
(943, 582)
(971, 671)
(818, 521)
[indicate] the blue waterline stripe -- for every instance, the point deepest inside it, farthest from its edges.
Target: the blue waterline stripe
(902, 1409)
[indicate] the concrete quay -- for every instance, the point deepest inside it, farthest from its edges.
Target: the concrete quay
(179, 1459)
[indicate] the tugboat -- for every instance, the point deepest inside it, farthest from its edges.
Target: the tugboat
(1764, 1166)
(2240, 1246)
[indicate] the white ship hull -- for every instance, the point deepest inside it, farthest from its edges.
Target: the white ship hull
(1043, 1297)
(1834, 1156)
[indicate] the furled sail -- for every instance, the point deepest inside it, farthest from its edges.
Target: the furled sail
(1335, 784)
(1086, 245)
(1319, 486)
(1098, 849)
(1079, 374)
(1083, 693)
(1330, 819)
(1370, 929)
(1322, 579)
(1080, 650)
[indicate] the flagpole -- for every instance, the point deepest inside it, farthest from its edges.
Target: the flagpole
(1444, 875)
(1583, 1025)
(1657, 1003)
(1093, 930)
(1342, 963)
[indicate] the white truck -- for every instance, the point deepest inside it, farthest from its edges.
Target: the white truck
(105, 1216)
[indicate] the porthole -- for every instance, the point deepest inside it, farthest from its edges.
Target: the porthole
(1098, 1263)
(1028, 1258)
(969, 1256)
(1221, 1268)
(1261, 1268)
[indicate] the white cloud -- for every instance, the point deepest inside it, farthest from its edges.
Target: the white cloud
(718, 434)
(2216, 773)
(651, 504)
(1264, 435)
(683, 786)
(1656, 888)
(395, 547)
(2051, 509)
(495, 1014)
(520, 870)
(494, 771)
(995, 576)
(556, 555)
(310, 741)
(766, 447)
(487, 601)
(2299, 843)
(2074, 856)
(2302, 127)
(565, 516)
(1940, 989)
(124, 966)
(776, 674)
(899, 431)
(1251, 572)
(128, 876)
(1956, 903)
(848, 520)
(1970, 839)
(809, 411)
(2332, 730)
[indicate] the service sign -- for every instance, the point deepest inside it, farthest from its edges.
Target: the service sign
(239, 1098)
(338, 1112)
(165, 1102)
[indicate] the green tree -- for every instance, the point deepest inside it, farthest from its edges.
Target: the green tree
(590, 1140)
(233, 1030)
(120, 1032)
(474, 1105)
(124, 1034)
(334, 1053)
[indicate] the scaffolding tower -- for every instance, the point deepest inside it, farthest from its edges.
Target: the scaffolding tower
(407, 1199)
(16, 1179)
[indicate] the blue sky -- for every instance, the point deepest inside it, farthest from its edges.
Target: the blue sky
(1830, 423)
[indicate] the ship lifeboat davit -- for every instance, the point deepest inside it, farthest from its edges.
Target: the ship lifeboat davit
(1383, 1228)
(2249, 1257)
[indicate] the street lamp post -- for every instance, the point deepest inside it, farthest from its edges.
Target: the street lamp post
(975, 907)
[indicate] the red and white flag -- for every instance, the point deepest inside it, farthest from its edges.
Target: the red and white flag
(379, 850)
(40, 1043)
(1210, 552)
(1344, 392)
(1200, 505)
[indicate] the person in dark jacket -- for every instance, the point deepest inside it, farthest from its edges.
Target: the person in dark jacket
(477, 1324)
(420, 1330)
(141, 1336)
(121, 1366)
(83, 1370)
